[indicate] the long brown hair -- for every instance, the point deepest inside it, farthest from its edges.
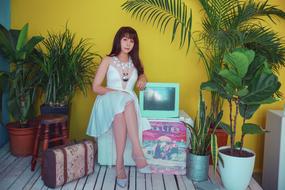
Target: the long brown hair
(131, 33)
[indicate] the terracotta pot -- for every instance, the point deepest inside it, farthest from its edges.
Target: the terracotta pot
(21, 139)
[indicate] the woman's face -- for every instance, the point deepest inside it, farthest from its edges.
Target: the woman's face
(127, 44)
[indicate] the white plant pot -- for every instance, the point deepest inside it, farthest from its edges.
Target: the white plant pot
(237, 171)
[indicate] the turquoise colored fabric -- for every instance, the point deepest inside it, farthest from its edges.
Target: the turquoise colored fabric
(108, 105)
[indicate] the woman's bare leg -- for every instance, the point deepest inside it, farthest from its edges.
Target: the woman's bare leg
(132, 130)
(120, 135)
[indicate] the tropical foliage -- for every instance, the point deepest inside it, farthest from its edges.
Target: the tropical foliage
(227, 24)
(230, 23)
(22, 77)
(66, 65)
(201, 137)
(246, 81)
(162, 14)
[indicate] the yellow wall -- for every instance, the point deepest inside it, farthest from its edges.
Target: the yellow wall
(164, 62)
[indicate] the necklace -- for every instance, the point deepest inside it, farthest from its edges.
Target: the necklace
(125, 67)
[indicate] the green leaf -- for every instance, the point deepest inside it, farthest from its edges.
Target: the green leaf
(30, 45)
(247, 111)
(242, 92)
(268, 100)
(230, 89)
(261, 88)
(210, 85)
(250, 128)
(218, 119)
(226, 128)
(6, 47)
(202, 111)
(231, 77)
(239, 59)
(214, 151)
(237, 144)
(22, 37)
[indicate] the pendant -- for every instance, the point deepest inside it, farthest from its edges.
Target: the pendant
(125, 78)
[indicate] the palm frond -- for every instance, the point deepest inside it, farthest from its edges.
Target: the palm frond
(266, 42)
(251, 10)
(218, 16)
(219, 13)
(162, 14)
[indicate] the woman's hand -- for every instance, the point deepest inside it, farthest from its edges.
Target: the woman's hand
(141, 82)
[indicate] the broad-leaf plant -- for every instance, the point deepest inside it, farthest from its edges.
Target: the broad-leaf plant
(246, 81)
(22, 75)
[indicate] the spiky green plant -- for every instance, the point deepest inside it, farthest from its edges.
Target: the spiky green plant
(66, 65)
(201, 137)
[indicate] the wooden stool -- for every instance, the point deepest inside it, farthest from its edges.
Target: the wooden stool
(58, 122)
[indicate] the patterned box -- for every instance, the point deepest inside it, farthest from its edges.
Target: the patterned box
(165, 147)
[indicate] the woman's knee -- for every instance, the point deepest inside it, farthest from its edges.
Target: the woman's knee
(119, 119)
(130, 105)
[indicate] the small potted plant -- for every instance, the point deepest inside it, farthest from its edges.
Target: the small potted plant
(22, 84)
(65, 65)
(246, 81)
(200, 140)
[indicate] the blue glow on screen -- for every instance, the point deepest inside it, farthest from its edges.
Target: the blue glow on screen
(159, 98)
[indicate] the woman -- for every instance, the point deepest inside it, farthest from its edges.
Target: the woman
(116, 106)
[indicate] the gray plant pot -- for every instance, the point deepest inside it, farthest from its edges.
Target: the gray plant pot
(197, 167)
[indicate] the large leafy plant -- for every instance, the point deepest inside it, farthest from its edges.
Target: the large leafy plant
(227, 24)
(246, 81)
(66, 65)
(202, 138)
(22, 76)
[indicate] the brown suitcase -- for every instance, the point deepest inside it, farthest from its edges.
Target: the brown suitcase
(67, 163)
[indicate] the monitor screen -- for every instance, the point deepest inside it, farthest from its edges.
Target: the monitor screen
(160, 100)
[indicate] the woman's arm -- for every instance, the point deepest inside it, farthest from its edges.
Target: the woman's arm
(141, 82)
(99, 77)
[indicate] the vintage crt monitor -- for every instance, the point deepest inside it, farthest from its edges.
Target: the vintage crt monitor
(160, 100)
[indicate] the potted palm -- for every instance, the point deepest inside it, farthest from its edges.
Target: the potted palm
(65, 65)
(22, 84)
(227, 24)
(200, 140)
(246, 81)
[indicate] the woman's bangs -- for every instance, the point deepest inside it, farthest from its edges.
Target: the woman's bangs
(130, 36)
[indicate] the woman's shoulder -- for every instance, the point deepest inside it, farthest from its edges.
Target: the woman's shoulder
(106, 60)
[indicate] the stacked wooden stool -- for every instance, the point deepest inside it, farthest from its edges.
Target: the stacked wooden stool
(47, 123)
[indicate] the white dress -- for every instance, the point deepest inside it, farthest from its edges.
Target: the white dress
(108, 105)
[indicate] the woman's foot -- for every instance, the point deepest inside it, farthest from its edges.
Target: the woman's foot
(122, 182)
(141, 164)
(145, 170)
(122, 179)
(139, 159)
